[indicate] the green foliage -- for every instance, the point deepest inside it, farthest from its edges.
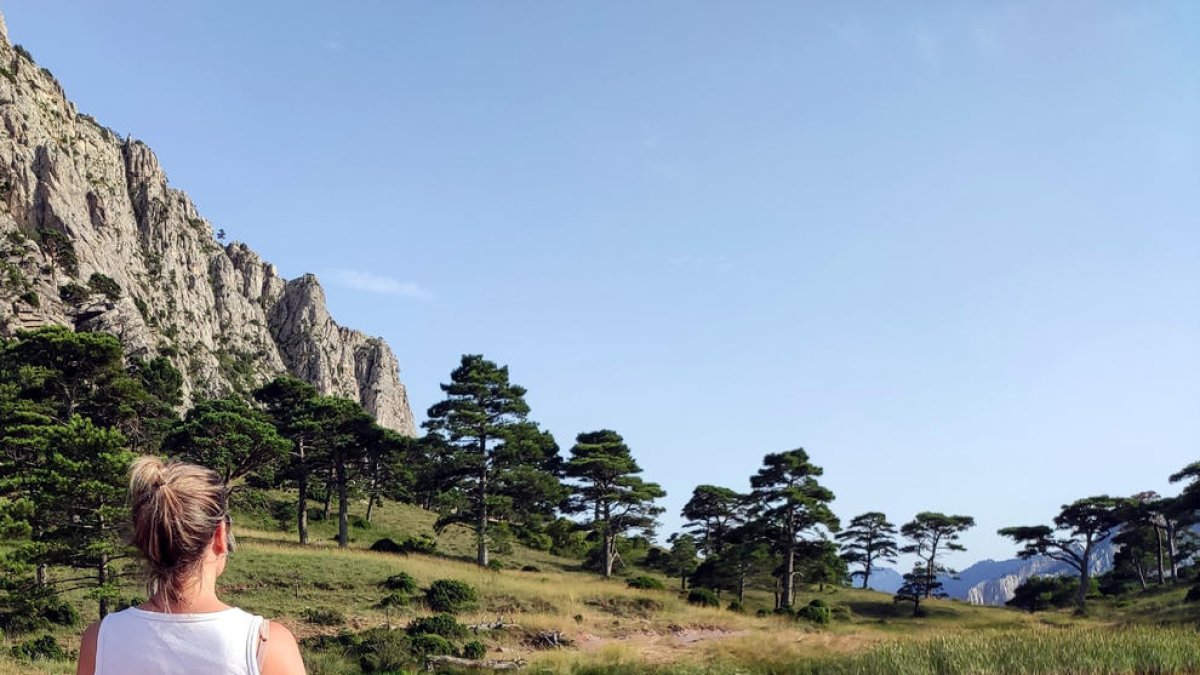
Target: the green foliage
(401, 582)
(791, 503)
(607, 486)
(736, 606)
(703, 597)
(43, 648)
(73, 294)
(868, 540)
(444, 625)
(32, 299)
(1193, 594)
(450, 595)
(491, 463)
(1041, 593)
(229, 437)
(422, 544)
(815, 612)
(645, 583)
(425, 645)
(931, 534)
(58, 247)
(711, 513)
(474, 650)
(104, 285)
(325, 617)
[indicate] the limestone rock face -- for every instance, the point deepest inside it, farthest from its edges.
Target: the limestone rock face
(92, 236)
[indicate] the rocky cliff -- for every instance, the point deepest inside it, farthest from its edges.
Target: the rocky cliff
(92, 236)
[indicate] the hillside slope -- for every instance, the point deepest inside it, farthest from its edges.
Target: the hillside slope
(93, 237)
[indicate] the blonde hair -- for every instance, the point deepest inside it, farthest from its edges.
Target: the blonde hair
(177, 508)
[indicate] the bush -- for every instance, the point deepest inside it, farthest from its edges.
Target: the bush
(401, 583)
(735, 606)
(762, 612)
(423, 544)
(45, 647)
(74, 294)
(393, 600)
(495, 565)
(474, 650)
(379, 650)
(450, 595)
(324, 617)
(530, 568)
(31, 298)
(428, 645)
(1193, 594)
(105, 286)
(816, 611)
(645, 583)
(444, 625)
(841, 613)
(703, 597)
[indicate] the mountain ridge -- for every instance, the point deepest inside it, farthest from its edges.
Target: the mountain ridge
(92, 236)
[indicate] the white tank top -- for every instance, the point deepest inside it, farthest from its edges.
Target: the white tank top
(136, 642)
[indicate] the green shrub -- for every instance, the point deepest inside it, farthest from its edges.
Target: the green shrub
(394, 600)
(450, 595)
(816, 611)
(378, 650)
(444, 625)
(401, 582)
(1193, 594)
(703, 597)
(324, 617)
(474, 650)
(645, 583)
(43, 648)
(31, 298)
(841, 613)
(74, 294)
(428, 645)
(104, 285)
(495, 565)
(530, 568)
(735, 606)
(422, 544)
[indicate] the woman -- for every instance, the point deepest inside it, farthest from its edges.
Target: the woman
(181, 527)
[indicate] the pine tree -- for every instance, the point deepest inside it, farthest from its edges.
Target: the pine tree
(789, 499)
(932, 534)
(711, 513)
(481, 405)
(231, 438)
(608, 488)
(868, 539)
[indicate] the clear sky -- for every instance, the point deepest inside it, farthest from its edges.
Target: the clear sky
(951, 249)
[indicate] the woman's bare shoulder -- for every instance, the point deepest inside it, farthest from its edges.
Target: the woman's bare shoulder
(282, 653)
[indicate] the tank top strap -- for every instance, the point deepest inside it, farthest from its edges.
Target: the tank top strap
(256, 637)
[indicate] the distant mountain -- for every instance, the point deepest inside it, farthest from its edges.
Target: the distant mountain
(885, 580)
(993, 582)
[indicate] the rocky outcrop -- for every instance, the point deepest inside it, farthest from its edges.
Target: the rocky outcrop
(93, 236)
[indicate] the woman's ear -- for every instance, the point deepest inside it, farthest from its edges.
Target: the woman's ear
(220, 542)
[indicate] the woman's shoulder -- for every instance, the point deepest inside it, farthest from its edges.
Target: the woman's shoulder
(281, 653)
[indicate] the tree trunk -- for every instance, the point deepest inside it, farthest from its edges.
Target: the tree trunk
(102, 568)
(1161, 572)
(102, 577)
(343, 504)
(328, 496)
(1085, 577)
(302, 497)
(866, 573)
(742, 589)
(1173, 551)
(481, 556)
(610, 545)
(1137, 566)
(789, 575)
(930, 576)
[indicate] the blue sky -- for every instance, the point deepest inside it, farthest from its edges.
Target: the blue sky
(951, 249)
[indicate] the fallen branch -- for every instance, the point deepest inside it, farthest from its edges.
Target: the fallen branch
(550, 639)
(433, 662)
(498, 624)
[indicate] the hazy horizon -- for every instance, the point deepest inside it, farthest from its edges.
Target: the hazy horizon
(951, 250)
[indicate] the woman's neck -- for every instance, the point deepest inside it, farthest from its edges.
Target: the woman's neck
(197, 597)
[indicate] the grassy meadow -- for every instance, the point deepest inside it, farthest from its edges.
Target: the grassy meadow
(614, 629)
